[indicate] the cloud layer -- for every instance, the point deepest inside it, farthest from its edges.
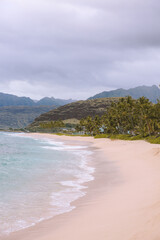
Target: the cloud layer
(76, 48)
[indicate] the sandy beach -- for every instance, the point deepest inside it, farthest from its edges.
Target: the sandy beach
(122, 203)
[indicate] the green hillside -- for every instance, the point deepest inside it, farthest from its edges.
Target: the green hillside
(73, 112)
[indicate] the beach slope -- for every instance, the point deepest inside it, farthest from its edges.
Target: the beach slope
(122, 203)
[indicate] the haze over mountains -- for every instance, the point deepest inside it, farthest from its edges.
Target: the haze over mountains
(53, 101)
(12, 100)
(20, 116)
(152, 93)
(18, 112)
(96, 105)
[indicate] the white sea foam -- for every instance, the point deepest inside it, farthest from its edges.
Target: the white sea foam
(61, 199)
(63, 147)
(75, 188)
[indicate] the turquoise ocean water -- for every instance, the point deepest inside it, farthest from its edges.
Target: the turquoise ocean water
(39, 178)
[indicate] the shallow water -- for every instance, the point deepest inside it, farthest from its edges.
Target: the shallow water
(39, 178)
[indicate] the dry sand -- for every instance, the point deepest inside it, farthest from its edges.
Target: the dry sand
(122, 203)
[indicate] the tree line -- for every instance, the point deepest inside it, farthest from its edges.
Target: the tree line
(127, 116)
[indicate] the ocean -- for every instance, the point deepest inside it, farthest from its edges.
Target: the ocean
(39, 179)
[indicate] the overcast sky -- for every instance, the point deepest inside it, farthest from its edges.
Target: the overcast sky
(77, 48)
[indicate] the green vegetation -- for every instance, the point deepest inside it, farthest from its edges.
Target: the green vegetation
(50, 125)
(114, 118)
(152, 139)
(127, 119)
(72, 113)
(58, 126)
(155, 140)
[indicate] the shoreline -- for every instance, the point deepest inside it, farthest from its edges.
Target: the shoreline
(85, 152)
(123, 201)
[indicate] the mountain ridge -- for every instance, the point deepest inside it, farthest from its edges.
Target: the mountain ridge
(53, 101)
(150, 92)
(7, 100)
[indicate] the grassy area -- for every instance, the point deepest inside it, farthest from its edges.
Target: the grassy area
(154, 140)
(151, 139)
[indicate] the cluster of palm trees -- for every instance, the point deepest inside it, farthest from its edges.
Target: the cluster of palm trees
(127, 116)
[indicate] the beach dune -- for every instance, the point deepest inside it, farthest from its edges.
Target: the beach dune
(122, 203)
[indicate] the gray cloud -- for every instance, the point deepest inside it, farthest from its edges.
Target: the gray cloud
(76, 48)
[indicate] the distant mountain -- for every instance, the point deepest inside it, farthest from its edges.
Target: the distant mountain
(19, 112)
(152, 93)
(75, 111)
(20, 116)
(12, 100)
(53, 101)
